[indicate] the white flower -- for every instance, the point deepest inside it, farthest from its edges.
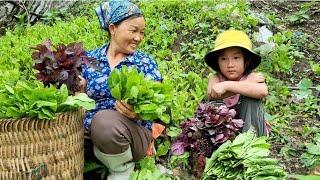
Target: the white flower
(101, 79)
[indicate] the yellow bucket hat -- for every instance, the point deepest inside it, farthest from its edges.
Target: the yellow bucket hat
(231, 38)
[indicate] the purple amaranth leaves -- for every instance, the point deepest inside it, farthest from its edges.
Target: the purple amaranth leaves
(178, 148)
(223, 110)
(232, 113)
(211, 125)
(60, 66)
(238, 123)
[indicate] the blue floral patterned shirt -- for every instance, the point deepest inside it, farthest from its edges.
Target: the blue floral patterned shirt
(97, 79)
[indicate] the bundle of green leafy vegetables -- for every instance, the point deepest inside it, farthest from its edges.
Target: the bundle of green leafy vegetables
(31, 99)
(244, 158)
(150, 99)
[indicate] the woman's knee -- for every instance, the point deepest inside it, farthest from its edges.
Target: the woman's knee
(106, 129)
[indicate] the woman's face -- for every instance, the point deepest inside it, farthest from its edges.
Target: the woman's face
(128, 34)
(231, 63)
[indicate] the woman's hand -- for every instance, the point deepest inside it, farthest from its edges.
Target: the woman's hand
(83, 84)
(125, 109)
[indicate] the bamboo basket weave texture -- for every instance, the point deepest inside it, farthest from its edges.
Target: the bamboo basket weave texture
(42, 149)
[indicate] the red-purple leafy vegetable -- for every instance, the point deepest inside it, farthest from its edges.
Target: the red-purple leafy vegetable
(212, 126)
(61, 66)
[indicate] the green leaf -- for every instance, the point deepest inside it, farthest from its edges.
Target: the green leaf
(305, 177)
(163, 148)
(116, 92)
(134, 91)
(315, 67)
(173, 131)
(9, 89)
(165, 118)
(313, 149)
(293, 18)
(305, 84)
(148, 163)
(269, 117)
(79, 100)
(47, 114)
(14, 112)
(91, 166)
(52, 105)
(303, 94)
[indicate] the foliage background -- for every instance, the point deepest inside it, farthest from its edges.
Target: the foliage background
(178, 35)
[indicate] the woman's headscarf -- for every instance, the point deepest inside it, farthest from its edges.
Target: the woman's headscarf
(114, 11)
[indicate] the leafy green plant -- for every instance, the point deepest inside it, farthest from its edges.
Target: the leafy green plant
(180, 160)
(282, 58)
(315, 67)
(305, 95)
(304, 177)
(301, 15)
(304, 89)
(148, 171)
(149, 99)
(163, 148)
(311, 158)
(32, 99)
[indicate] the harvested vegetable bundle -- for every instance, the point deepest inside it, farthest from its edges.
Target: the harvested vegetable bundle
(212, 126)
(244, 158)
(61, 66)
(33, 100)
(149, 98)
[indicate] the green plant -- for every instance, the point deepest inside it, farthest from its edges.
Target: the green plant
(148, 171)
(149, 99)
(32, 99)
(300, 16)
(311, 158)
(315, 67)
(305, 95)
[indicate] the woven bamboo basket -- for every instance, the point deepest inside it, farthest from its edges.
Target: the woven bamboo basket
(42, 149)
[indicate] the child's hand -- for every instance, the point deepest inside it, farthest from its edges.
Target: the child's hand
(217, 90)
(125, 109)
(255, 77)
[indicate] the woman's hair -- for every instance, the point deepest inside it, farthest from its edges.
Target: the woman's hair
(119, 22)
(246, 57)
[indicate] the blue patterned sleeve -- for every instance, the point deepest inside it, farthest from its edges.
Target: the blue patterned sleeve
(150, 68)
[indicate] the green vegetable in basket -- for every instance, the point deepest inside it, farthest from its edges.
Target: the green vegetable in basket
(33, 100)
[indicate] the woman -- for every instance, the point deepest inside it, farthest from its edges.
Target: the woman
(235, 83)
(117, 136)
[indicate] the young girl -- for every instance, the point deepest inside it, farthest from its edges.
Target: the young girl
(235, 83)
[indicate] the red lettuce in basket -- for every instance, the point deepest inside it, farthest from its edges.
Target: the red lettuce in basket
(60, 66)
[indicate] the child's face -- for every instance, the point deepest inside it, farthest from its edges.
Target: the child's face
(231, 63)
